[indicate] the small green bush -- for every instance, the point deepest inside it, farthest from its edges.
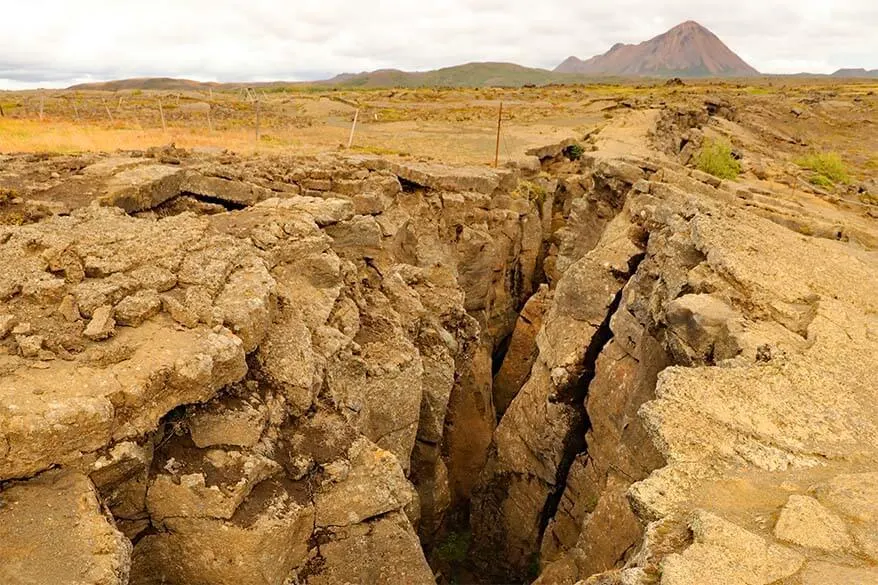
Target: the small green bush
(827, 165)
(454, 548)
(715, 158)
(573, 152)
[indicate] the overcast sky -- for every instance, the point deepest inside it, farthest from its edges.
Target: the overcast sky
(54, 43)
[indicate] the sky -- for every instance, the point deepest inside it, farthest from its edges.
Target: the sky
(55, 43)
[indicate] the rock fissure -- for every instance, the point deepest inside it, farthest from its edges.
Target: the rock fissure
(575, 445)
(607, 368)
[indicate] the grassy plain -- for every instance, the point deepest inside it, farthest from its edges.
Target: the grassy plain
(455, 125)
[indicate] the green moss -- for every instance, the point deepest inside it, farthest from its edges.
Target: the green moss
(829, 166)
(533, 568)
(715, 158)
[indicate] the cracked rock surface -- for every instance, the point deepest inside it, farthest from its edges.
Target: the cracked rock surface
(280, 370)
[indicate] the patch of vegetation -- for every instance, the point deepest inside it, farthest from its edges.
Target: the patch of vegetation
(533, 568)
(6, 195)
(393, 115)
(454, 548)
(573, 152)
(715, 158)
(531, 191)
(381, 151)
(821, 181)
(828, 167)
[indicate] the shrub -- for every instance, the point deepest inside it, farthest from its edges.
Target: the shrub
(716, 158)
(531, 191)
(573, 152)
(454, 548)
(828, 166)
(821, 181)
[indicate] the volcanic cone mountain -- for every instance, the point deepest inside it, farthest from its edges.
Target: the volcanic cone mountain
(687, 50)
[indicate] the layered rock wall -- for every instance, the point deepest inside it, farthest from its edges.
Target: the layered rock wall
(267, 371)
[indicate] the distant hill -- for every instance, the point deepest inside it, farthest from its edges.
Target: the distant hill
(687, 50)
(468, 75)
(856, 73)
(161, 83)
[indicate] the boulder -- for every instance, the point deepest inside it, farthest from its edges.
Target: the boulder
(53, 530)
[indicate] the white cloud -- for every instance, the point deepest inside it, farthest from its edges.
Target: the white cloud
(53, 42)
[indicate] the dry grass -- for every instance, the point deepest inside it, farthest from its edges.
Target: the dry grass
(67, 137)
(452, 125)
(716, 159)
(828, 168)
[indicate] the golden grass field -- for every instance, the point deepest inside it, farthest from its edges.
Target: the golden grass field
(451, 125)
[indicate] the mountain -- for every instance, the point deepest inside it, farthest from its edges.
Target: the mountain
(687, 50)
(856, 73)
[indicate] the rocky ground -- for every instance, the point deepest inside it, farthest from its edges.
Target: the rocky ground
(603, 367)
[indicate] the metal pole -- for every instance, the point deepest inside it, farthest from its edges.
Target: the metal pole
(162, 114)
(257, 120)
(353, 127)
(497, 149)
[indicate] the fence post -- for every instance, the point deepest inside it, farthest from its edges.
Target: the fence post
(353, 128)
(257, 118)
(109, 114)
(497, 149)
(162, 114)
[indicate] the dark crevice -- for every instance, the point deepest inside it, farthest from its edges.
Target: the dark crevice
(148, 531)
(229, 205)
(500, 351)
(409, 186)
(575, 395)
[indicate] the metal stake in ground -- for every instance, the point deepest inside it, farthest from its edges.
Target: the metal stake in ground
(497, 149)
(257, 119)
(162, 115)
(353, 127)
